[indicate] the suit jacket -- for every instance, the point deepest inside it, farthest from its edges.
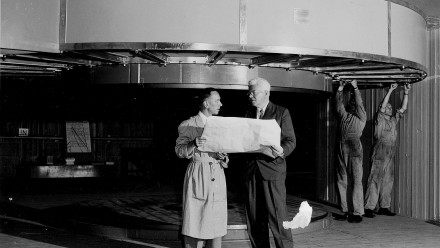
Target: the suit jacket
(272, 168)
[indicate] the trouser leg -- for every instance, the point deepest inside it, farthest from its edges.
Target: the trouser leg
(358, 190)
(256, 213)
(214, 243)
(374, 185)
(387, 184)
(275, 195)
(342, 177)
(191, 242)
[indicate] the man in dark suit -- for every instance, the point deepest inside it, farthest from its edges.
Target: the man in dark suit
(265, 176)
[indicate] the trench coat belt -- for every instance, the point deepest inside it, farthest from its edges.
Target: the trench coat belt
(209, 160)
(204, 159)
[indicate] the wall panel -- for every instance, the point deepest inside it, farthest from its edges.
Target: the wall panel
(410, 27)
(30, 25)
(347, 25)
(417, 179)
(153, 21)
(433, 91)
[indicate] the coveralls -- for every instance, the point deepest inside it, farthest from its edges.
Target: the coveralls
(350, 152)
(204, 190)
(381, 179)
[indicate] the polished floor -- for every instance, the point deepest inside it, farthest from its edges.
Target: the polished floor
(22, 227)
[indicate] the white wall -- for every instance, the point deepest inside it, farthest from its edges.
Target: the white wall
(408, 35)
(30, 25)
(346, 25)
(205, 21)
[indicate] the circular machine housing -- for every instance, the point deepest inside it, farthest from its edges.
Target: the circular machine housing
(222, 42)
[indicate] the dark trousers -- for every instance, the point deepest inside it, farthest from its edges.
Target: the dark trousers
(266, 207)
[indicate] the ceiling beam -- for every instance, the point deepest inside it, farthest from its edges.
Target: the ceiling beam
(215, 56)
(352, 68)
(267, 59)
(101, 56)
(157, 58)
(327, 62)
(34, 64)
(49, 59)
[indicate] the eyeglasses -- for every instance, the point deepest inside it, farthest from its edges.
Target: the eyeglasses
(254, 92)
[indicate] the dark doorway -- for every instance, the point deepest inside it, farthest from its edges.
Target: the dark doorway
(135, 127)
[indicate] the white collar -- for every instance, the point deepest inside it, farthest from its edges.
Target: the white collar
(203, 117)
(264, 108)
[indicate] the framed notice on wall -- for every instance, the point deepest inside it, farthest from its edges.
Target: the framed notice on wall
(78, 137)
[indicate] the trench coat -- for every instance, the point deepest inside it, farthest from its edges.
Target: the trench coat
(204, 209)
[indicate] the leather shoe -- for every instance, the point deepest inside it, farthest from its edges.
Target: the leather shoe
(369, 213)
(354, 218)
(385, 211)
(340, 217)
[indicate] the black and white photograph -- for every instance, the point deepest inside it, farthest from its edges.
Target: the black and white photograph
(210, 124)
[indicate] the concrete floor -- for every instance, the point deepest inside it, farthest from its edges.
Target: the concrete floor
(381, 231)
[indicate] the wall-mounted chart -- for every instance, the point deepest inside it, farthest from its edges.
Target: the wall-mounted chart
(78, 137)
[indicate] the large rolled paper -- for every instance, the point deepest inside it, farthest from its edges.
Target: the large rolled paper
(236, 135)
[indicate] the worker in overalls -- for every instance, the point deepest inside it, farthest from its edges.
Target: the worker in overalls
(350, 153)
(381, 179)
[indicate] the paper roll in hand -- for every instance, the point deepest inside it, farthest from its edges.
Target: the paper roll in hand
(235, 135)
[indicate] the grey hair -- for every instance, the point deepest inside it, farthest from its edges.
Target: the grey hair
(260, 82)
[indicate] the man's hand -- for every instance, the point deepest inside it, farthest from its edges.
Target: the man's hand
(354, 83)
(407, 88)
(222, 156)
(277, 152)
(224, 159)
(341, 85)
(393, 86)
(199, 141)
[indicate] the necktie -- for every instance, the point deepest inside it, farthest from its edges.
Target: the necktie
(260, 113)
